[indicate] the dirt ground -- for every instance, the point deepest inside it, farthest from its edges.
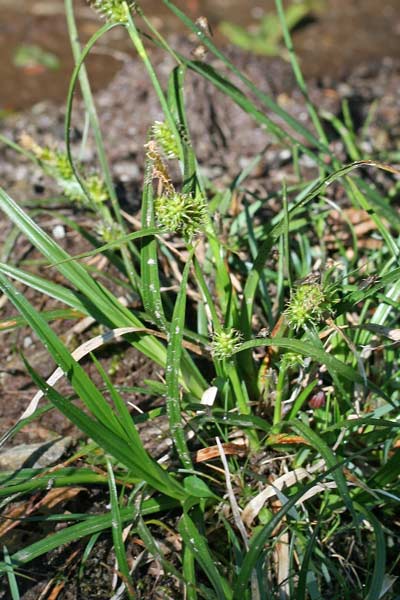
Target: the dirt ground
(343, 35)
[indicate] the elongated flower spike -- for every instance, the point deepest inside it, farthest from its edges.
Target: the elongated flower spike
(57, 165)
(159, 170)
(166, 139)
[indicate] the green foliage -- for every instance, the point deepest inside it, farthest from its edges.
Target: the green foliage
(28, 56)
(266, 38)
(299, 383)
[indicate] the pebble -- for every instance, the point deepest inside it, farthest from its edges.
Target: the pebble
(34, 455)
(28, 341)
(59, 232)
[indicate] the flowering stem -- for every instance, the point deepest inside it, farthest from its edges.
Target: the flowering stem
(163, 42)
(207, 297)
(91, 109)
(136, 39)
(81, 73)
(298, 74)
(286, 241)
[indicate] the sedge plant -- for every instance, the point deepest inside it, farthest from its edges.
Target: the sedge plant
(281, 409)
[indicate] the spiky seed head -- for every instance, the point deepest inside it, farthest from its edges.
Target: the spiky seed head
(109, 232)
(96, 189)
(225, 342)
(181, 213)
(292, 360)
(307, 306)
(114, 11)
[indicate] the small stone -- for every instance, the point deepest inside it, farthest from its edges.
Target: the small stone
(34, 455)
(307, 161)
(59, 232)
(28, 341)
(285, 154)
(257, 12)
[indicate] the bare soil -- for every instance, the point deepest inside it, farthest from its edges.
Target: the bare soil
(342, 36)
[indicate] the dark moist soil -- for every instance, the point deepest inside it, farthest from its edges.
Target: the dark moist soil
(335, 39)
(225, 140)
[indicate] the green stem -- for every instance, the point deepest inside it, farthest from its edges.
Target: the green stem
(137, 42)
(81, 73)
(90, 107)
(279, 396)
(242, 399)
(299, 75)
(163, 42)
(345, 134)
(207, 297)
(286, 234)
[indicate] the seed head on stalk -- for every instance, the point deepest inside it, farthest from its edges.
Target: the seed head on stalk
(114, 11)
(224, 343)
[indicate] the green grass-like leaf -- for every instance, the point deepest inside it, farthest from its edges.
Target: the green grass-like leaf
(198, 546)
(172, 371)
(117, 534)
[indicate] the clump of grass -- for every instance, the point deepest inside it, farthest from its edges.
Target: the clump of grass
(284, 445)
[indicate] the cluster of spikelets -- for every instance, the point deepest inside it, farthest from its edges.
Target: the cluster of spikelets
(225, 342)
(309, 304)
(165, 139)
(114, 11)
(57, 165)
(109, 231)
(180, 213)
